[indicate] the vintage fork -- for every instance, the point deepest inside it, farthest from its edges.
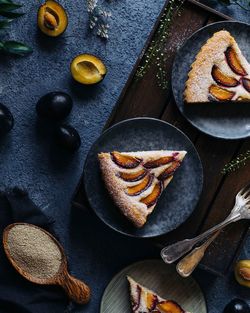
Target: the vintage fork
(241, 210)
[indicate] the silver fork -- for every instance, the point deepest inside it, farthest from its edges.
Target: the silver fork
(241, 210)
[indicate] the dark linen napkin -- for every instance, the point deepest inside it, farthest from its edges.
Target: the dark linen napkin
(18, 295)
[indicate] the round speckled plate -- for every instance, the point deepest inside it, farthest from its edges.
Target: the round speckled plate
(179, 199)
(159, 277)
(221, 120)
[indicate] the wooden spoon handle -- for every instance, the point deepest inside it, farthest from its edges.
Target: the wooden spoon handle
(76, 290)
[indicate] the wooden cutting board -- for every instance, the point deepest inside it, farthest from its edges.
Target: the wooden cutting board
(145, 98)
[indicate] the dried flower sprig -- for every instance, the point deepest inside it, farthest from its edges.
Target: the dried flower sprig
(98, 18)
(236, 163)
(155, 53)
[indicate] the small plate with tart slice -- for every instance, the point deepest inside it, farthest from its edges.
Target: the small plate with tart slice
(152, 286)
(143, 177)
(211, 80)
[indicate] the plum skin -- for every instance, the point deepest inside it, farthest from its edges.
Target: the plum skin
(237, 306)
(6, 120)
(67, 137)
(54, 105)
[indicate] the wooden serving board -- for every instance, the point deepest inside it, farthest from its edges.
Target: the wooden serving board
(145, 98)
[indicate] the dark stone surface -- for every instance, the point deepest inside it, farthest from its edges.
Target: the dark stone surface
(29, 160)
(233, 10)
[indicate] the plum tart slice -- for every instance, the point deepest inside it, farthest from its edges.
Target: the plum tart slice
(135, 180)
(147, 301)
(220, 72)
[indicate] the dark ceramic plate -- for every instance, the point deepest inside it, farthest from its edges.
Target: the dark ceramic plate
(221, 120)
(179, 199)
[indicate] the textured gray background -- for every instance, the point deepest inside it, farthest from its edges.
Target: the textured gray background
(28, 160)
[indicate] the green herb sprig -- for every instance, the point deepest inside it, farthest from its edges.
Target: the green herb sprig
(236, 163)
(155, 53)
(7, 14)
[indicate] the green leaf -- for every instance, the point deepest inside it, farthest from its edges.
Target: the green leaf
(5, 2)
(5, 23)
(15, 47)
(8, 7)
(11, 14)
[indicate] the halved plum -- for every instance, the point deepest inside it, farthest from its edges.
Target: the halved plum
(152, 300)
(169, 171)
(223, 79)
(221, 94)
(87, 69)
(246, 83)
(125, 161)
(234, 62)
(133, 177)
(143, 185)
(169, 306)
(152, 198)
(158, 162)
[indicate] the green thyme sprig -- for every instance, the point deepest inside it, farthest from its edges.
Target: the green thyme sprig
(155, 53)
(7, 8)
(236, 163)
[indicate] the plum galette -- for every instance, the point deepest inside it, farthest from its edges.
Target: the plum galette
(219, 73)
(135, 180)
(146, 301)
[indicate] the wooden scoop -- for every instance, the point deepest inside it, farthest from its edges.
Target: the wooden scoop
(76, 290)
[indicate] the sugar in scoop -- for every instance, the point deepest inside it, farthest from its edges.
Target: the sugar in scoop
(34, 251)
(39, 257)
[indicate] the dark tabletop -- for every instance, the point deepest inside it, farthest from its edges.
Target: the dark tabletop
(29, 161)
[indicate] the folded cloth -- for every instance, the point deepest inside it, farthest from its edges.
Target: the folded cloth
(17, 295)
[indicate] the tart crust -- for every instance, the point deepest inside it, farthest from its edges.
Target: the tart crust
(133, 207)
(147, 301)
(213, 53)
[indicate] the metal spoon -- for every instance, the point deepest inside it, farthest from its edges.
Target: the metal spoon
(241, 210)
(76, 290)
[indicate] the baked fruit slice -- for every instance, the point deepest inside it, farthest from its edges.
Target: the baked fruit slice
(135, 180)
(220, 72)
(147, 301)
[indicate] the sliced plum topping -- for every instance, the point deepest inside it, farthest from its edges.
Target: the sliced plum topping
(152, 198)
(169, 307)
(143, 185)
(132, 177)
(246, 83)
(152, 300)
(159, 162)
(221, 94)
(223, 79)
(125, 161)
(234, 62)
(138, 300)
(169, 171)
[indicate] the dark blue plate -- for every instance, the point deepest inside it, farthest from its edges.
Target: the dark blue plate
(221, 120)
(179, 199)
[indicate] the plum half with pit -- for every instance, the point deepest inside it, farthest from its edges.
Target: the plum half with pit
(54, 105)
(52, 18)
(68, 138)
(6, 120)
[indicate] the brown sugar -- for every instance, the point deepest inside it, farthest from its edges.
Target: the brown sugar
(34, 251)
